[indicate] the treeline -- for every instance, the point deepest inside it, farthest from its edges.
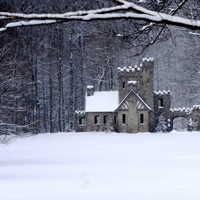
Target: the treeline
(45, 69)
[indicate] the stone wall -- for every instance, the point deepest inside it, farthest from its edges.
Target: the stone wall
(77, 117)
(141, 79)
(133, 114)
(162, 105)
(144, 76)
(110, 126)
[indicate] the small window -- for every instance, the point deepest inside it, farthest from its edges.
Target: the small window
(96, 119)
(105, 119)
(160, 103)
(142, 118)
(123, 85)
(115, 119)
(82, 121)
(123, 119)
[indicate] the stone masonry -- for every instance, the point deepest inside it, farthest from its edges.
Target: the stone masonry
(135, 107)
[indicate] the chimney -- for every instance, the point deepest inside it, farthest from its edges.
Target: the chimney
(90, 90)
(132, 85)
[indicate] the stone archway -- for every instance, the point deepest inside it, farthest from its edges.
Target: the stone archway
(178, 119)
(179, 123)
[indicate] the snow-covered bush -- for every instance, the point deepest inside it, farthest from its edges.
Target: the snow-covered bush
(162, 125)
(192, 124)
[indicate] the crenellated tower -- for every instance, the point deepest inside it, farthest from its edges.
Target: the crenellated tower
(142, 76)
(141, 79)
(162, 113)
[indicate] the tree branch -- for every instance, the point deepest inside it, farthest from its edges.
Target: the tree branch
(126, 10)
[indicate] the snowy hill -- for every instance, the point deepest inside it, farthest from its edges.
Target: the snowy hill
(101, 166)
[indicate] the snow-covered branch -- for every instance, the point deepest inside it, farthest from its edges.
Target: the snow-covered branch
(192, 33)
(27, 23)
(123, 10)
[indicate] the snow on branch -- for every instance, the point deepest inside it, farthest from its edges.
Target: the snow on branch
(27, 23)
(129, 11)
(198, 34)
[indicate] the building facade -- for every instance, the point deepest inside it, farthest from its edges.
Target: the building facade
(135, 107)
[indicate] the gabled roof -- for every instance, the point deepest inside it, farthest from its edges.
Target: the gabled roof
(140, 104)
(102, 102)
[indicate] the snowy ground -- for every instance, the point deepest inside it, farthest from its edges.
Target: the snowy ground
(101, 166)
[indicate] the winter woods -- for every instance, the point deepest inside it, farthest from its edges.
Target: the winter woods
(45, 68)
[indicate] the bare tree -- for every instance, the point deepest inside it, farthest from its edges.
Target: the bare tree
(83, 44)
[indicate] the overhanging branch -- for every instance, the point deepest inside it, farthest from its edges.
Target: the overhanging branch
(126, 10)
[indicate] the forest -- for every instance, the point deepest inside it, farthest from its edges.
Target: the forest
(45, 68)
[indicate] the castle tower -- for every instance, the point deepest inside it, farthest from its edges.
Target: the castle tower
(142, 75)
(141, 80)
(146, 82)
(125, 75)
(162, 105)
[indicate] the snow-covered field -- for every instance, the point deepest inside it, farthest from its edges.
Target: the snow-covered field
(101, 166)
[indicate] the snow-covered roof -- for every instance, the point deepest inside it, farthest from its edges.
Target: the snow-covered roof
(102, 102)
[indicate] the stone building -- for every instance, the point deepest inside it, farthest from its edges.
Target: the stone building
(135, 107)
